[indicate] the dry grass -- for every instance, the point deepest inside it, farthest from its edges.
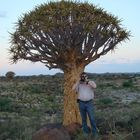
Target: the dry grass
(27, 103)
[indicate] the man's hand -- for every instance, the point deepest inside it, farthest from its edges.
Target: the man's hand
(87, 82)
(92, 84)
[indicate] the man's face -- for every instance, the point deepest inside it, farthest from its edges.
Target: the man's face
(83, 77)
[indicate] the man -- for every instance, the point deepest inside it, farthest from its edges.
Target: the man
(85, 88)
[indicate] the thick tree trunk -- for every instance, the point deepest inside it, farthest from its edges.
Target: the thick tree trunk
(71, 111)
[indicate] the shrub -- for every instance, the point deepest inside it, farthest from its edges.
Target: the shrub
(105, 101)
(5, 104)
(128, 83)
(18, 128)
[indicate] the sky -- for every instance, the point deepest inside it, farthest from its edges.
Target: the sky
(126, 57)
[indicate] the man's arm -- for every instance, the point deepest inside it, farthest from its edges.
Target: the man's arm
(92, 84)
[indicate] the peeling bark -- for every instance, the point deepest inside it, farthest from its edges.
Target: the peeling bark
(71, 112)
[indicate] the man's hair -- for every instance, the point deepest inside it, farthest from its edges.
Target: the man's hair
(83, 73)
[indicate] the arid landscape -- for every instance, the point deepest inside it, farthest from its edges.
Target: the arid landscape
(29, 102)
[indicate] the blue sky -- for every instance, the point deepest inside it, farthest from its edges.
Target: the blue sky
(126, 57)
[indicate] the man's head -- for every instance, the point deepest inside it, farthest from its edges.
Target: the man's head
(83, 76)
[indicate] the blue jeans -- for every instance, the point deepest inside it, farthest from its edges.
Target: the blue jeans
(87, 108)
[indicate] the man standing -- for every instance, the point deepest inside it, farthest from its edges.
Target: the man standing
(84, 88)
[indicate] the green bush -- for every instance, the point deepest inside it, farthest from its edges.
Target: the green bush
(51, 98)
(18, 128)
(5, 104)
(105, 101)
(128, 83)
(136, 128)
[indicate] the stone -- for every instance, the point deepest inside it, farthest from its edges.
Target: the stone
(73, 128)
(52, 132)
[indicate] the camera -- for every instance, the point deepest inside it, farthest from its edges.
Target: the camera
(83, 78)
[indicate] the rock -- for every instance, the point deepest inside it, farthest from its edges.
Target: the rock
(52, 132)
(105, 137)
(73, 128)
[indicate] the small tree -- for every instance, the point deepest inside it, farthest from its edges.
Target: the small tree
(10, 75)
(66, 35)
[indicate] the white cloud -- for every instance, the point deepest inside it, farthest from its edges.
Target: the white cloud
(117, 61)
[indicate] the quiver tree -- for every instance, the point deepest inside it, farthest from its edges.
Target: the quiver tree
(66, 35)
(10, 75)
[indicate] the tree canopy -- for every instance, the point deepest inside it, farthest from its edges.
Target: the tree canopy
(65, 33)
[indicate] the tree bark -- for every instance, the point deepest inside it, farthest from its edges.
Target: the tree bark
(71, 112)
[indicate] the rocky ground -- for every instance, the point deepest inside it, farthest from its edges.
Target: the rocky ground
(28, 103)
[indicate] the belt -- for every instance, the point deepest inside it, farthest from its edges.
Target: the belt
(78, 100)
